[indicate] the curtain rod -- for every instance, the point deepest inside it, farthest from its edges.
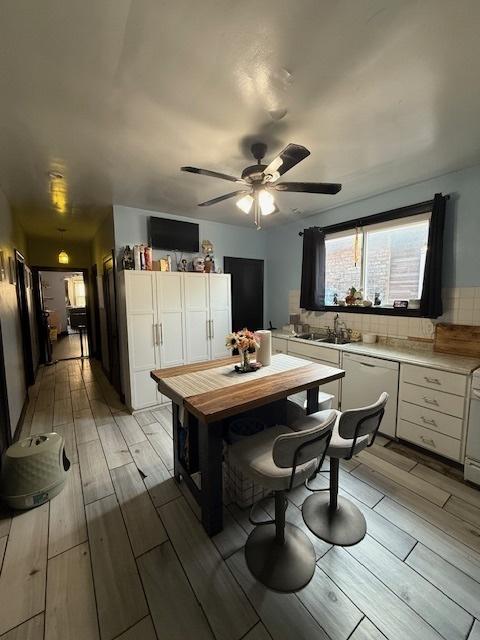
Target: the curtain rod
(386, 215)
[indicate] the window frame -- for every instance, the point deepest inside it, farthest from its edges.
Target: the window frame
(422, 209)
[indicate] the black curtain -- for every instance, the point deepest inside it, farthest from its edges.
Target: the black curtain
(431, 302)
(312, 289)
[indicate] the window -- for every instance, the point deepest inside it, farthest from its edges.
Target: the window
(385, 260)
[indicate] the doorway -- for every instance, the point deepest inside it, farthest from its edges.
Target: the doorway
(64, 321)
(247, 292)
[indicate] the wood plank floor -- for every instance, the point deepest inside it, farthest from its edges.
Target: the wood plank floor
(126, 543)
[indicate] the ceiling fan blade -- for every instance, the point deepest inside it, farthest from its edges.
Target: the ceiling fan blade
(212, 174)
(224, 197)
(308, 187)
(288, 158)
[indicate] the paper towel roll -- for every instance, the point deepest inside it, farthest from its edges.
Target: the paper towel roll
(264, 352)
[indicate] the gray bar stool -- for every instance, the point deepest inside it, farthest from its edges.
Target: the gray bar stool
(331, 517)
(278, 553)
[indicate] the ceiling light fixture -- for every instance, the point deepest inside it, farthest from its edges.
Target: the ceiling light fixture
(63, 257)
(245, 203)
(261, 200)
(58, 191)
(266, 202)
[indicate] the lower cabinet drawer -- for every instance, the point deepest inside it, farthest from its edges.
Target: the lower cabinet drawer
(314, 351)
(428, 439)
(439, 380)
(434, 420)
(279, 345)
(435, 400)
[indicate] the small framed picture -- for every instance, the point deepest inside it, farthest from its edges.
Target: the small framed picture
(12, 271)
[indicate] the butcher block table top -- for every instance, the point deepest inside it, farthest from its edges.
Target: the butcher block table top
(212, 391)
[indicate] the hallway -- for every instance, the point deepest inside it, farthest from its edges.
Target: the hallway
(68, 346)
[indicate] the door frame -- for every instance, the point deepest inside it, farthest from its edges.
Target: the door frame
(38, 306)
(28, 363)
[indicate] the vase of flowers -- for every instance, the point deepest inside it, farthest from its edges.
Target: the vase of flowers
(243, 341)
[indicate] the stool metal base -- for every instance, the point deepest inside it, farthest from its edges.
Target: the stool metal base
(283, 567)
(344, 526)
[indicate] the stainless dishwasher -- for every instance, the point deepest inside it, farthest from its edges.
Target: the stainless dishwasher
(365, 379)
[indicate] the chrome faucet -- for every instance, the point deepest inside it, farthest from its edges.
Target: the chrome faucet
(340, 331)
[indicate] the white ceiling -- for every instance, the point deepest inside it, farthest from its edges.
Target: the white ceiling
(118, 94)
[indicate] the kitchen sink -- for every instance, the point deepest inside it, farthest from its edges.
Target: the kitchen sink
(319, 337)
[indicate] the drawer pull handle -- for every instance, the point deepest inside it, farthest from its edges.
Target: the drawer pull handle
(428, 441)
(432, 380)
(429, 421)
(430, 401)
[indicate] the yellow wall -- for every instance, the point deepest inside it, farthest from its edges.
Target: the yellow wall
(11, 237)
(43, 252)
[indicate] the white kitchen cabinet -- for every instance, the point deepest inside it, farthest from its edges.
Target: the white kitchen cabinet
(365, 379)
(142, 355)
(197, 316)
(168, 319)
(432, 409)
(220, 321)
(279, 345)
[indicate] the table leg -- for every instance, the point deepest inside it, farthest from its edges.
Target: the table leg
(210, 450)
(176, 444)
(312, 400)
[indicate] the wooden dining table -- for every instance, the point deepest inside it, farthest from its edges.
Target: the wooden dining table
(206, 395)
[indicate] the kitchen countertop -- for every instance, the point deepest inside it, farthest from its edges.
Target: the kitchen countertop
(423, 357)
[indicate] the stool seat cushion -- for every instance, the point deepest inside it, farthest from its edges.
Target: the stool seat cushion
(253, 455)
(339, 447)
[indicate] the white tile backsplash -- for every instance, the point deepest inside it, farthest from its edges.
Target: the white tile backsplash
(461, 306)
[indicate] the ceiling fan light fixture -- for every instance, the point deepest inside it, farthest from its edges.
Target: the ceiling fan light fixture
(266, 202)
(245, 203)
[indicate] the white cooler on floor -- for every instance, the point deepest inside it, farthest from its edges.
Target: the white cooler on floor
(33, 470)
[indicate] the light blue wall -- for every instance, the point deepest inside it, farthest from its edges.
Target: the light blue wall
(461, 264)
(130, 226)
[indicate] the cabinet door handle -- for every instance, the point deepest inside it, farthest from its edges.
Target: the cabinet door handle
(160, 326)
(432, 380)
(428, 421)
(212, 332)
(365, 364)
(428, 441)
(208, 329)
(430, 401)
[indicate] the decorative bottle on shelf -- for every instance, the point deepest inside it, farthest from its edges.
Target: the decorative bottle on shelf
(136, 257)
(127, 259)
(148, 258)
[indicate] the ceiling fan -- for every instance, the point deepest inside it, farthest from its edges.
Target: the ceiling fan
(259, 180)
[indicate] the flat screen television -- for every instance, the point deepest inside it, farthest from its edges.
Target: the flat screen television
(174, 235)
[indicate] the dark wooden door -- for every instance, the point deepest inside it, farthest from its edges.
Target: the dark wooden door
(247, 292)
(110, 302)
(97, 351)
(5, 429)
(24, 312)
